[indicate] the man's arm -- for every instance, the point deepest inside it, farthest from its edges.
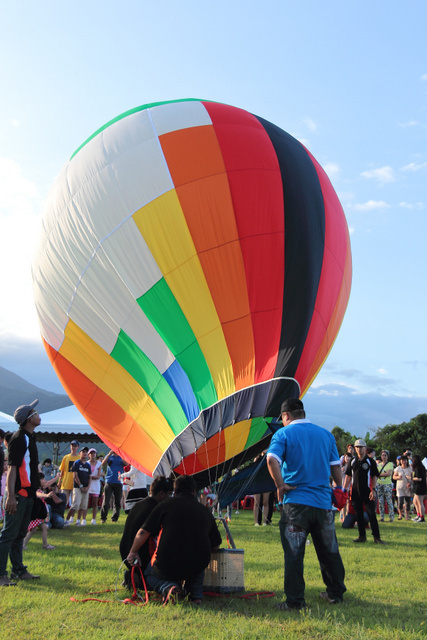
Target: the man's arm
(336, 474)
(274, 470)
(10, 505)
(140, 539)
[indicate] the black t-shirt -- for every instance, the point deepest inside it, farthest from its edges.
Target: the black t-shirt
(420, 488)
(186, 532)
(83, 470)
(22, 453)
(136, 518)
(58, 507)
(362, 472)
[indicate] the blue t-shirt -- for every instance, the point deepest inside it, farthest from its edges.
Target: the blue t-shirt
(114, 467)
(306, 453)
(83, 471)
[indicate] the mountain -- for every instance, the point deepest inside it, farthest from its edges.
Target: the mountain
(15, 391)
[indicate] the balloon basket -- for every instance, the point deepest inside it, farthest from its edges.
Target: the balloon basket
(225, 572)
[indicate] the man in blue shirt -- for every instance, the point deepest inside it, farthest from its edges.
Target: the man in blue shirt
(301, 458)
(114, 465)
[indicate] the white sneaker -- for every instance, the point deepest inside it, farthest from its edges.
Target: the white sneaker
(77, 523)
(68, 522)
(93, 521)
(417, 519)
(83, 523)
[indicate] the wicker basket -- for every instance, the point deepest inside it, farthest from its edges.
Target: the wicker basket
(224, 573)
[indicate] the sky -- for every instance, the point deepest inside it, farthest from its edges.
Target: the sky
(348, 79)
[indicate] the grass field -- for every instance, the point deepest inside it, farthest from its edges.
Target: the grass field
(385, 599)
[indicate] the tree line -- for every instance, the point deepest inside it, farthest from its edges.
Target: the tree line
(396, 438)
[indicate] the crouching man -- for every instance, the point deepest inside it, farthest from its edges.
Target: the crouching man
(186, 534)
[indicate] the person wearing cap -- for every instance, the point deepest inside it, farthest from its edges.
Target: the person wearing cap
(301, 458)
(21, 486)
(385, 486)
(66, 479)
(81, 478)
(363, 474)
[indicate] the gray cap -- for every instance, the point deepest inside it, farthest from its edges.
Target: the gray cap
(360, 443)
(21, 414)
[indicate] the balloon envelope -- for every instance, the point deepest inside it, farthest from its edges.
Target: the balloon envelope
(193, 271)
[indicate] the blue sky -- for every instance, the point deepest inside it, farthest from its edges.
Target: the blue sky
(348, 79)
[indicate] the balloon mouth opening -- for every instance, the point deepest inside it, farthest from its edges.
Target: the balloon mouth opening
(208, 441)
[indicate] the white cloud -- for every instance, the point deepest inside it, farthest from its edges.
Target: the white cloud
(310, 124)
(371, 205)
(410, 123)
(383, 174)
(332, 169)
(413, 166)
(409, 205)
(424, 77)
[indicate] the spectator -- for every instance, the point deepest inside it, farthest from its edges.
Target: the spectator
(403, 476)
(420, 489)
(49, 470)
(137, 483)
(81, 478)
(56, 502)
(363, 472)
(39, 519)
(113, 487)
(384, 486)
(66, 480)
(95, 483)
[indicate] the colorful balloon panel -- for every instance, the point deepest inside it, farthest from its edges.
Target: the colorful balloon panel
(193, 270)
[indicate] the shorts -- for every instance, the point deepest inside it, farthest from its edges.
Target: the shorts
(80, 499)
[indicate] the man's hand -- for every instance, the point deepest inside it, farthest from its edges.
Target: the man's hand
(284, 488)
(133, 558)
(11, 504)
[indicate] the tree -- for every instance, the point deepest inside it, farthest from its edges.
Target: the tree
(396, 438)
(342, 438)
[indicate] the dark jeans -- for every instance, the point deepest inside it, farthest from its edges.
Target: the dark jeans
(110, 489)
(370, 506)
(296, 522)
(193, 585)
(15, 528)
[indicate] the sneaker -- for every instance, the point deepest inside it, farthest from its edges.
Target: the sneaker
(24, 576)
(325, 596)
(360, 540)
(417, 519)
(83, 523)
(173, 595)
(78, 524)
(256, 524)
(379, 541)
(5, 582)
(49, 547)
(420, 520)
(93, 521)
(68, 522)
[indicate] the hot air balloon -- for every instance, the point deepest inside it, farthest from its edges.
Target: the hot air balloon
(193, 271)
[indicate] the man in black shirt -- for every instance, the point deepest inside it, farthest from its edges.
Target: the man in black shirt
(21, 485)
(187, 533)
(160, 489)
(364, 472)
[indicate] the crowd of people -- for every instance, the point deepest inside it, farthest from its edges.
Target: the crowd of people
(37, 497)
(398, 488)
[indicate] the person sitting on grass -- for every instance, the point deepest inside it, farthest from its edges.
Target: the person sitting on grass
(189, 535)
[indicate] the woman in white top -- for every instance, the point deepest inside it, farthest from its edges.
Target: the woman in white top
(137, 481)
(403, 477)
(95, 483)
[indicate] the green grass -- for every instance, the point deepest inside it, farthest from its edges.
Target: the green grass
(385, 599)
